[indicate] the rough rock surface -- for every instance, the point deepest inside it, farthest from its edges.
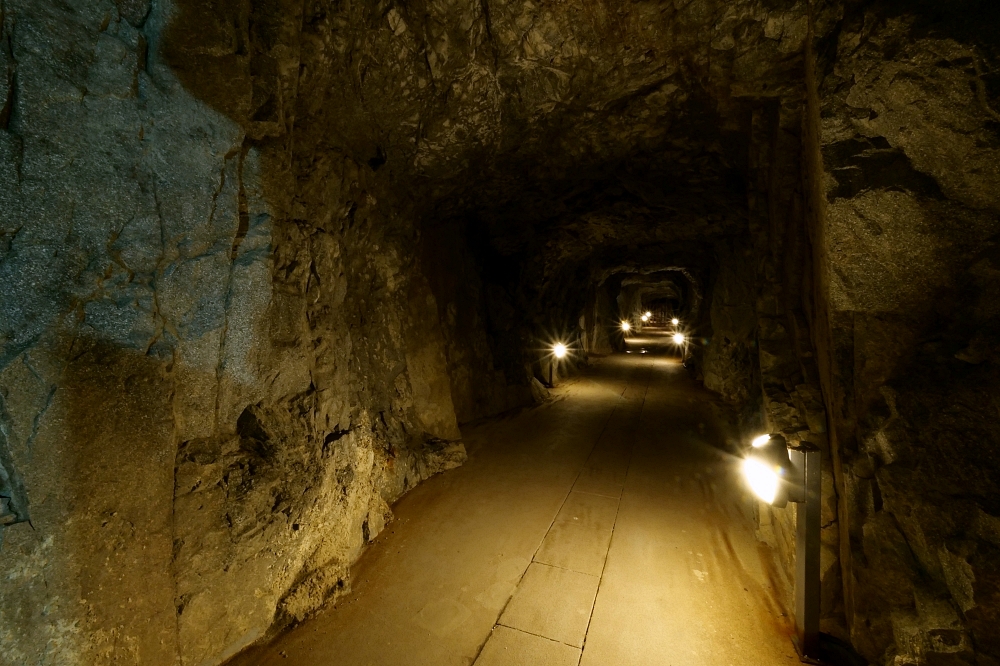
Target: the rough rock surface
(907, 129)
(259, 259)
(211, 388)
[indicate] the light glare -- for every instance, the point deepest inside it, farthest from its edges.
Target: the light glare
(559, 350)
(762, 479)
(760, 441)
(675, 321)
(644, 317)
(648, 314)
(626, 326)
(678, 338)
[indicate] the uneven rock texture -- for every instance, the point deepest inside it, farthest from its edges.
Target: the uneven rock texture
(208, 402)
(907, 100)
(259, 259)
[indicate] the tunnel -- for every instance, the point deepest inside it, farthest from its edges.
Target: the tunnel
(433, 332)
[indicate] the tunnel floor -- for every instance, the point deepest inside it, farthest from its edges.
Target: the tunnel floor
(605, 527)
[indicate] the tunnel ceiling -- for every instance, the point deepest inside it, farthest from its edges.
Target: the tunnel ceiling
(603, 125)
(564, 130)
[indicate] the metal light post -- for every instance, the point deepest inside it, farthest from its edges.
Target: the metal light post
(779, 474)
(806, 463)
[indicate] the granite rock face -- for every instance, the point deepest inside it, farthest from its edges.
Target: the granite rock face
(908, 133)
(259, 259)
(214, 379)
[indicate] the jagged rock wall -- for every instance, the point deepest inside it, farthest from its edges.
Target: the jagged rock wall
(217, 266)
(477, 318)
(219, 358)
(729, 365)
(905, 214)
(758, 355)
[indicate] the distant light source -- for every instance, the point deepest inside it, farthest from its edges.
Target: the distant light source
(644, 317)
(648, 314)
(559, 350)
(626, 326)
(762, 478)
(678, 338)
(675, 321)
(760, 441)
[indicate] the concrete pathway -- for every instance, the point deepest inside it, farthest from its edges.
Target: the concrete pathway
(601, 529)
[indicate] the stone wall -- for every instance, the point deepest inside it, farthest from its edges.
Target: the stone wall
(219, 356)
(904, 210)
(758, 354)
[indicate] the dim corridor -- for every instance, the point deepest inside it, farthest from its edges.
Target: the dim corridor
(606, 527)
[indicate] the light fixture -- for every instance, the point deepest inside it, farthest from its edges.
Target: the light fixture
(626, 326)
(648, 314)
(678, 338)
(644, 317)
(763, 478)
(559, 351)
(779, 474)
(675, 321)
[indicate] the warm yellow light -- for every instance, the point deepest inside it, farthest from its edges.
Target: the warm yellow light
(675, 321)
(644, 317)
(760, 441)
(648, 314)
(678, 338)
(559, 350)
(626, 326)
(763, 479)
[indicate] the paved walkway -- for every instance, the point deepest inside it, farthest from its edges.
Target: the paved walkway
(602, 529)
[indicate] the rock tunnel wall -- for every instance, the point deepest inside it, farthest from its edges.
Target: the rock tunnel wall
(902, 160)
(881, 317)
(260, 258)
(220, 357)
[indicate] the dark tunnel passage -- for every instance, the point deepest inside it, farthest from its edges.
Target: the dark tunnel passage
(282, 284)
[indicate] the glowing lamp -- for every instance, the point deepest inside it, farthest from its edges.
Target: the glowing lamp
(626, 326)
(762, 478)
(678, 338)
(675, 321)
(648, 314)
(559, 351)
(644, 317)
(778, 474)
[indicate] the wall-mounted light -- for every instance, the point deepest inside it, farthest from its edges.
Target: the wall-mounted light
(779, 474)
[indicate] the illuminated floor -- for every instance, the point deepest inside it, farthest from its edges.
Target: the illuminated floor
(601, 529)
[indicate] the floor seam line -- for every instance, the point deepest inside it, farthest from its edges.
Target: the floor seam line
(556, 566)
(587, 492)
(531, 633)
(604, 428)
(611, 541)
